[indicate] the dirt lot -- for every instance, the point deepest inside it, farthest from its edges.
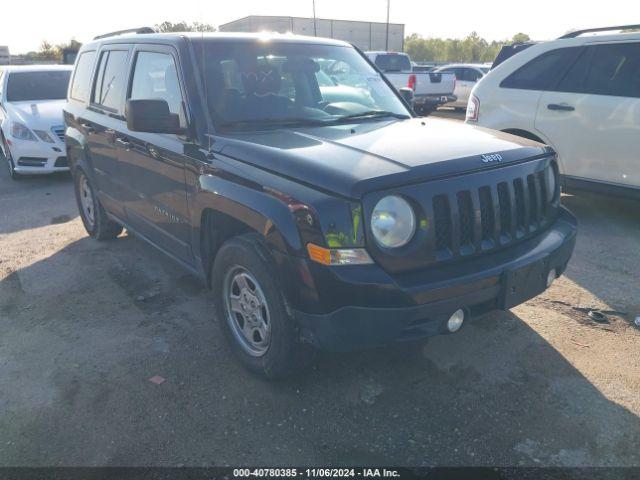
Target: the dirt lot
(85, 325)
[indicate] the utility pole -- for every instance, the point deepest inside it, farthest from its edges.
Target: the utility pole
(315, 28)
(387, 39)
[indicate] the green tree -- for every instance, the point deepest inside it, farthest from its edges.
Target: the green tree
(47, 52)
(472, 48)
(521, 38)
(184, 27)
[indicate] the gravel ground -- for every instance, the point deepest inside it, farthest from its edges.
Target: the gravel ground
(84, 326)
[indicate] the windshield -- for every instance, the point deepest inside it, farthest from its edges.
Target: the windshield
(272, 83)
(33, 86)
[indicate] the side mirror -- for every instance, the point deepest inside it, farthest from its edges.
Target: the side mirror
(151, 116)
(408, 95)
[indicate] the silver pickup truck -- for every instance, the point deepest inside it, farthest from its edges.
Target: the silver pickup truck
(431, 89)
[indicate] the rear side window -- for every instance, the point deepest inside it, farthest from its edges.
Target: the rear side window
(82, 77)
(110, 83)
(155, 77)
(612, 69)
(393, 63)
(471, 75)
(543, 71)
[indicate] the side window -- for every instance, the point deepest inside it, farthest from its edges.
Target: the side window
(543, 71)
(155, 77)
(471, 75)
(614, 70)
(82, 76)
(112, 73)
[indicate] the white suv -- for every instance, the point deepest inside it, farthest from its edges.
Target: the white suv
(581, 95)
(31, 121)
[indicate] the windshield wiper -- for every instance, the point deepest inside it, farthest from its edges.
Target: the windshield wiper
(371, 114)
(273, 122)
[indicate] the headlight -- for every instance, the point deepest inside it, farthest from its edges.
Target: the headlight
(393, 222)
(44, 136)
(21, 132)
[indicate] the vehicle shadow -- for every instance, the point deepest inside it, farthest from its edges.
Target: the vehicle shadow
(606, 261)
(34, 201)
(78, 354)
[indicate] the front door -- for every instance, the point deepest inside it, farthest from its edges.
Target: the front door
(154, 164)
(593, 114)
(102, 122)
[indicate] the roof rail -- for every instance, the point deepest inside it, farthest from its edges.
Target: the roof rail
(601, 29)
(122, 32)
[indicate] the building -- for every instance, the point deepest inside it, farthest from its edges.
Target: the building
(365, 35)
(5, 57)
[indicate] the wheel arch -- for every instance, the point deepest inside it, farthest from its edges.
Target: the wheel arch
(226, 209)
(520, 132)
(525, 134)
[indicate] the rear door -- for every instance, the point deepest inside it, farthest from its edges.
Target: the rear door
(516, 102)
(154, 164)
(104, 121)
(592, 115)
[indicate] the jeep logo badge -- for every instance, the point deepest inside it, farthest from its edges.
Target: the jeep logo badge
(493, 157)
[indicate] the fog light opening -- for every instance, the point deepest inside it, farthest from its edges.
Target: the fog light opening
(455, 321)
(553, 274)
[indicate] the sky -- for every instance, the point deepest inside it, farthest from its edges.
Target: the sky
(25, 24)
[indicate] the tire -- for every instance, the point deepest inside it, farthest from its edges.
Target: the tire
(12, 168)
(94, 218)
(425, 111)
(271, 345)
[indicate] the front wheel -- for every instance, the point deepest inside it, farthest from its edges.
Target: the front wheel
(252, 311)
(12, 167)
(94, 218)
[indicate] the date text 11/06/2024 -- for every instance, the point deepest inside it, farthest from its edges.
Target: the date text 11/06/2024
(316, 472)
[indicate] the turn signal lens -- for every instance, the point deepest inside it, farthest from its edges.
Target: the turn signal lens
(338, 256)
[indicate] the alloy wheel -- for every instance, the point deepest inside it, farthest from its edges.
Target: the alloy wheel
(247, 311)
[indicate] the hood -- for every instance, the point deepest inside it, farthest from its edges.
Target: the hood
(351, 160)
(41, 114)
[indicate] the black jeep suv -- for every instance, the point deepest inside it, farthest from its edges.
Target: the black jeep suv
(321, 212)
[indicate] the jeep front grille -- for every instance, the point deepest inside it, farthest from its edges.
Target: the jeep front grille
(473, 220)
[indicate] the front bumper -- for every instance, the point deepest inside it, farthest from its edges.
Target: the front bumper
(37, 157)
(417, 305)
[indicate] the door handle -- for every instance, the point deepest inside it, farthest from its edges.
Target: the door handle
(124, 143)
(563, 107)
(88, 128)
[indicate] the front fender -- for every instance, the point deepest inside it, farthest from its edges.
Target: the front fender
(258, 210)
(77, 150)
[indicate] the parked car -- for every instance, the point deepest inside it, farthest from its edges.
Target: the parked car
(422, 68)
(431, 90)
(330, 224)
(467, 75)
(508, 51)
(31, 122)
(581, 95)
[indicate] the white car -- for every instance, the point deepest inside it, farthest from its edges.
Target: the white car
(467, 75)
(31, 121)
(430, 89)
(579, 94)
